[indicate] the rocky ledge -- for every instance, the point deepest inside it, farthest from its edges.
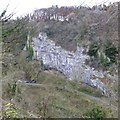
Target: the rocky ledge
(71, 64)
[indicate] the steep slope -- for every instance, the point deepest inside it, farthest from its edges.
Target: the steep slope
(54, 94)
(78, 24)
(55, 97)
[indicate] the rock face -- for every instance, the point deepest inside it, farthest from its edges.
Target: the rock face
(72, 65)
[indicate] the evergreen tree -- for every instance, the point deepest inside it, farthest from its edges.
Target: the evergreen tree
(111, 52)
(29, 48)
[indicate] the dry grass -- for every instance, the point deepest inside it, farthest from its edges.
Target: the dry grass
(53, 96)
(51, 101)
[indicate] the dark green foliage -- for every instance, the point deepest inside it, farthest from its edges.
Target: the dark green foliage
(104, 61)
(29, 48)
(30, 53)
(105, 53)
(93, 48)
(96, 113)
(111, 52)
(12, 89)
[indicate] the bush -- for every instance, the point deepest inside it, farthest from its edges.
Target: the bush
(93, 48)
(29, 48)
(30, 53)
(111, 52)
(30, 68)
(103, 59)
(9, 111)
(12, 89)
(96, 113)
(106, 54)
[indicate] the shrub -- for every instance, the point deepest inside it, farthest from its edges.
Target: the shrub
(96, 113)
(29, 48)
(12, 88)
(111, 52)
(30, 68)
(93, 48)
(106, 54)
(103, 59)
(30, 53)
(9, 111)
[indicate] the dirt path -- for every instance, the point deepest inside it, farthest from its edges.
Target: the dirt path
(98, 100)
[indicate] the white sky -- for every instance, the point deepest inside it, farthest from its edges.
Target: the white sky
(22, 7)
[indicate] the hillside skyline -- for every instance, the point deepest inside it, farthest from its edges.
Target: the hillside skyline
(21, 9)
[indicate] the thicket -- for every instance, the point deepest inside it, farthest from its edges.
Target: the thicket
(106, 53)
(14, 35)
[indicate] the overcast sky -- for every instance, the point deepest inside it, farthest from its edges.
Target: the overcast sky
(22, 7)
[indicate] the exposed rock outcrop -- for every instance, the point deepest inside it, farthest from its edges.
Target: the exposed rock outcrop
(71, 64)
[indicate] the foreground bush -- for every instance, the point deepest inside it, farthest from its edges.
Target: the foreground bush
(96, 113)
(9, 111)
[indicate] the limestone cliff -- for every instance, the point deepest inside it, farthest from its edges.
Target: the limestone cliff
(71, 64)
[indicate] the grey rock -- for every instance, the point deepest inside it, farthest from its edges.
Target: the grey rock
(72, 65)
